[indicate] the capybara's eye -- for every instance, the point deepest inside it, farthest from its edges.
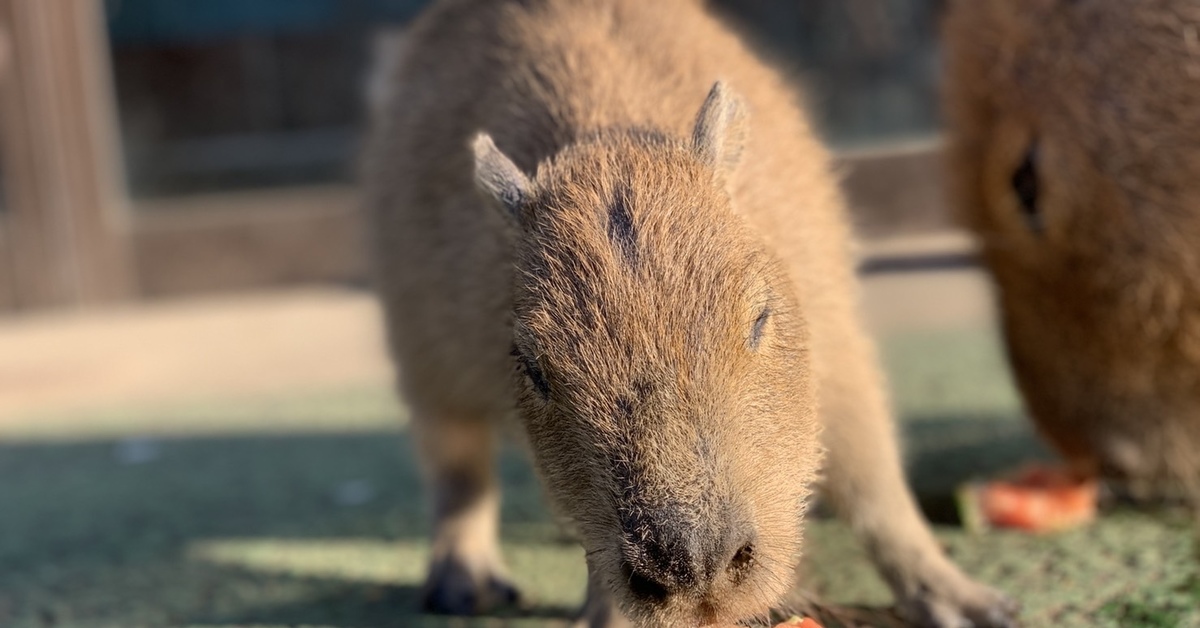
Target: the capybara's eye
(1025, 185)
(534, 373)
(760, 324)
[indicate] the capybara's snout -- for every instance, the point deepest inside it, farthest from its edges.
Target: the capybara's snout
(665, 555)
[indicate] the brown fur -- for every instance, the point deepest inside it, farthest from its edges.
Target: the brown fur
(1101, 309)
(612, 295)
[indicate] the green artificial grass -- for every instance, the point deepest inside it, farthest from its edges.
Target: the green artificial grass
(307, 510)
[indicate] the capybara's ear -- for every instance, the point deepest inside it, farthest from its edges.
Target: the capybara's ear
(499, 178)
(720, 129)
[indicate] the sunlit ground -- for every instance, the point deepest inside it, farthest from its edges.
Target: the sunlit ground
(304, 509)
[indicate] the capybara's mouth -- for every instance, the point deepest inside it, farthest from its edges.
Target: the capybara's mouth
(705, 614)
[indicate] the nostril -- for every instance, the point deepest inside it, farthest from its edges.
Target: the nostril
(647, 588)
(742, 561)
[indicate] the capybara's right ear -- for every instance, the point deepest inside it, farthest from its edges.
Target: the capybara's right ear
(720, 131)
(498, 177)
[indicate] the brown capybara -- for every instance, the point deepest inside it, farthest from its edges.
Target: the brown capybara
(1075, 157)
(578, 226)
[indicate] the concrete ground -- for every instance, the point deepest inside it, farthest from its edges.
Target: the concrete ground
(241, 461)
(236, 346)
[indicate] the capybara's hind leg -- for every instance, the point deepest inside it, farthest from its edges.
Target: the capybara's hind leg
(865, 479)
(467, 574)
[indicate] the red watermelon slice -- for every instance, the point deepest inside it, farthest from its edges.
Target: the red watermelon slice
(1038, 498)
(796, 622)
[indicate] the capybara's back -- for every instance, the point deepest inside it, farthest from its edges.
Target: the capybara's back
(608, 219)
(1075, 157)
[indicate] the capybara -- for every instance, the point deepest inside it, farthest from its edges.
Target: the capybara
(609, 220)
(1074, 155)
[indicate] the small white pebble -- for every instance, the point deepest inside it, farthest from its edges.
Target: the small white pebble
(354, 493)
(137, 450)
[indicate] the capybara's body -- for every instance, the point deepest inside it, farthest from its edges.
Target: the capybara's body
(1075, 157)
(652, 274)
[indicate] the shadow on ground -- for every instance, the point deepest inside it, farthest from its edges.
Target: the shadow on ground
(146, 538)
(328, 530)
(345, 606)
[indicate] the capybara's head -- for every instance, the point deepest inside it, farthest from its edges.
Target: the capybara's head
(663, 375)
(1075, 157)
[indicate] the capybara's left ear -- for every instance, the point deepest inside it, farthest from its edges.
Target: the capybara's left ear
(720, 131)
(499, 178)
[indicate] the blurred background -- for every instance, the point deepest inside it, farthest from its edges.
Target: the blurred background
(170, 147)
(196, 421)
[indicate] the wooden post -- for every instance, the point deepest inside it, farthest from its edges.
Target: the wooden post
(68, 223)
(7, 291)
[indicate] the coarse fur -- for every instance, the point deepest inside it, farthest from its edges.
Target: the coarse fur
(1075, 157)
(578, 226)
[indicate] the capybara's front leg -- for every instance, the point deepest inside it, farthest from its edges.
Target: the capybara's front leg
(865, 480)
(600, 610)
(467, 574)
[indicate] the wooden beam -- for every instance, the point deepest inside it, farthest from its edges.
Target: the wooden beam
(237, 241)
(896, 190)
(67, 222)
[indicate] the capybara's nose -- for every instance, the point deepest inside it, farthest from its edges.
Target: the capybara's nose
(673, 559)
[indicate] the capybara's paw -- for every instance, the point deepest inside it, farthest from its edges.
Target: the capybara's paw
(958, 602)
(458, 587)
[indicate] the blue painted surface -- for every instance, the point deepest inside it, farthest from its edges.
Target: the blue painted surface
(195, 21)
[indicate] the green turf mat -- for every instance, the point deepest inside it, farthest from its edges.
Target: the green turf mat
(306, 510)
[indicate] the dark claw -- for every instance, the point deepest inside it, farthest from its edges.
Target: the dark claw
(503, 592)
(451, 590)
(1003, 616)
(1002, 613)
